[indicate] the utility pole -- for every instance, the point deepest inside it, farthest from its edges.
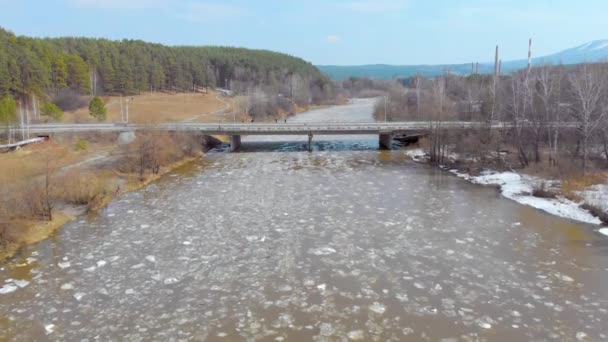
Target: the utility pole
(21, 120)
(529, 55)
(496, 64)
(127, 114)
(385, 99)
(122, 114)
(27, 120)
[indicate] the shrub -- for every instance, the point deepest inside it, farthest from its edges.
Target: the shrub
(49, 109)
(542, 190)
(81, 145)
(597, 212)
(80, 189)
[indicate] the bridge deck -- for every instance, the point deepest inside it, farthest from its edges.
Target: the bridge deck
(256, 128)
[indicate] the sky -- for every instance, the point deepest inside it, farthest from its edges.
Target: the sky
(339, 32)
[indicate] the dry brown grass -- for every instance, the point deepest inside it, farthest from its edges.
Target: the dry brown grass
(15, 234)
(30, 161)
(572, 185)
(78, 188)
(158, 107)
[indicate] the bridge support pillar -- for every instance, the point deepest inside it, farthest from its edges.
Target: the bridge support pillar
(386, 141)
(235, 142)
(310, 141)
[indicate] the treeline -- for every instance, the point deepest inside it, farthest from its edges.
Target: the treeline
(555, 113)
(42, 67)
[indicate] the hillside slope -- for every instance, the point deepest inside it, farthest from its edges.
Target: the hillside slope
(43, 66)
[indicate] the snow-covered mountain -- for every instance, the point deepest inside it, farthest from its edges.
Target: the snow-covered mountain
(595, 51)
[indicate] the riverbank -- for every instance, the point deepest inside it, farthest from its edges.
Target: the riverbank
(24, 232)
(583, 200)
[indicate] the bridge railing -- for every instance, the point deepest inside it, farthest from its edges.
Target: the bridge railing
(234, 128)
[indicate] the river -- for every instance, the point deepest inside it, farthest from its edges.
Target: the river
(276, 243)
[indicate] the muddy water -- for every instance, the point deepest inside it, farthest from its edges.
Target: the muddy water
(279, 244)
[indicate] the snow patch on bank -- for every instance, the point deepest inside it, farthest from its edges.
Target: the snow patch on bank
(519, 188)
(417, 155)
(596, 196)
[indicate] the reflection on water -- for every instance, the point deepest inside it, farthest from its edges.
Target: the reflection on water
(342, 243)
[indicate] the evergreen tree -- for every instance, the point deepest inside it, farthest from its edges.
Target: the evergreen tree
(78, 74)
(49, 109)
(97, 108)
(8, 112)
(60, 72)
(37, 66)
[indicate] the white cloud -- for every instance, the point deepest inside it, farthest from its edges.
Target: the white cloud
(332, 38)
(375, 7)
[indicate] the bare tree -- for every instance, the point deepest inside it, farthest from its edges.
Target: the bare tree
(588, 104)
(418, 95)
(548, 90)
(518, 107)
(438, 146)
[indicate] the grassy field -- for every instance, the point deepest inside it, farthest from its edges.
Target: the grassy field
(161, 107)
(31, 161)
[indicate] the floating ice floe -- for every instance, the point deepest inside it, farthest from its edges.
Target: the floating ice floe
(21, 283)
(50, 328)
(169, 281)
(356, 335)
(63, 265)
(322, 251)
(78, 296)
(326, 329)
(67, 286)
(151, 258)
(564, 277)
(8, 288)
(485, 325)
(377, 308)
(101, 263)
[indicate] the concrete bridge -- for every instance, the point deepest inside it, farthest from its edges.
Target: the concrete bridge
(385, 131)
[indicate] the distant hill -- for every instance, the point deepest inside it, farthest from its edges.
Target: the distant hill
(48, 66)
(595, 51)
